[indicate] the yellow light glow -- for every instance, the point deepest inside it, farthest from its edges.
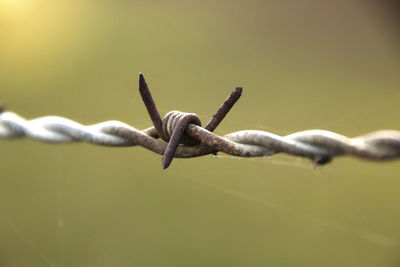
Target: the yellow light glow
(11, 8)
(11, 4)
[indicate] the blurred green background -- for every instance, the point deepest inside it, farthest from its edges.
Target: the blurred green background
(303, 65)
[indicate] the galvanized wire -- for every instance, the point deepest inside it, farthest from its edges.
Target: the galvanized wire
(181, 135)
(319, 145)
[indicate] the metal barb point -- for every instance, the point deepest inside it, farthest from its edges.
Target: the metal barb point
(150, 105)
(224, 109)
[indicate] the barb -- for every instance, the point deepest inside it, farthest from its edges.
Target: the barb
(318, 145)
(172, 128)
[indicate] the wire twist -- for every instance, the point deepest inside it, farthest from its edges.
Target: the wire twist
(319, 145)
(182, 136)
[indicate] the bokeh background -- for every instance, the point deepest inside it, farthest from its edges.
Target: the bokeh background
(303, 65)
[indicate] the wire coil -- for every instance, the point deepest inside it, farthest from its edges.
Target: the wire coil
(171, 121)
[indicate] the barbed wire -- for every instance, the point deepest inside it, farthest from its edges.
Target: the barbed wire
(181, 135)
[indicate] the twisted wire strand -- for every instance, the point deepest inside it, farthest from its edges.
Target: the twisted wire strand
(319, 145)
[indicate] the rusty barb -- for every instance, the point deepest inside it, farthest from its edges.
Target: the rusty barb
(172, 128)
(180, 135)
